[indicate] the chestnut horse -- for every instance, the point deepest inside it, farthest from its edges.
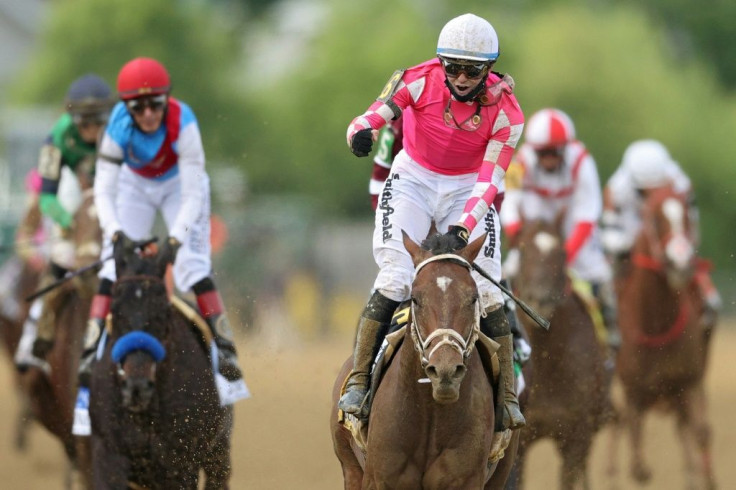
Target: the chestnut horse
(664, 349)
(11, 329)
(155, 412)
(52, 394)
(567, 387)
(432, 417)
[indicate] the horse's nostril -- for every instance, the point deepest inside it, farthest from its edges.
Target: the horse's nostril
(460, 370)
(432, 371)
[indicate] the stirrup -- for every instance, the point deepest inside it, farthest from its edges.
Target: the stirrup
(353, 401)
(228, 365)
(512, 420)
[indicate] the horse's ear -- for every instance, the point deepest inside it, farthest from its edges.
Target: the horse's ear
(432, 230)
(126, 262)
(470, 252)
(416, 252)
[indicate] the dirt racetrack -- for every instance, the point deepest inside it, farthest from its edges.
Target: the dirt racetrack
(281, 438)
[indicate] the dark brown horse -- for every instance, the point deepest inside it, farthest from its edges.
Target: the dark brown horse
(52, 394)
(664, 349)
(155, 412)
(432, 418)
(567, 388)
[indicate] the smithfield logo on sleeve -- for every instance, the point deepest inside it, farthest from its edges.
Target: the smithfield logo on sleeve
(490, 249)
(385, 206)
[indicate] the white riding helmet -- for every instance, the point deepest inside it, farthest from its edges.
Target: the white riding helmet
(468, 37)
(549, 128)
(647, 161)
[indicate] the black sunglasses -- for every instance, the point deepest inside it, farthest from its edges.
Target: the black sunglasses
(138, 106)
(87, 120)
(471, 69)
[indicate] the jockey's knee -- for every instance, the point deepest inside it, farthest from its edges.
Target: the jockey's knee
(395, 275)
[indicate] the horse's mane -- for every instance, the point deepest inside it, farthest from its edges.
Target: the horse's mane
(439, 244)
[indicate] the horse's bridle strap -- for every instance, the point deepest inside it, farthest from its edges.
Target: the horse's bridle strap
(451, 257)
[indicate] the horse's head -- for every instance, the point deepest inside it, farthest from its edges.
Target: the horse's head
(445, 311)
(665, 242)
(542, 271)
(140, 316)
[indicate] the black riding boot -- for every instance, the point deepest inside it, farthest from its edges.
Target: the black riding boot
(372, 327)
(211, 306)
(496, 325)
(522, 348)
(227, 359)
(51, 303)
(606, 298)
(99, 310)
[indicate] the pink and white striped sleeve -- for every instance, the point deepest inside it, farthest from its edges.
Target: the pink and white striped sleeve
(506, 132)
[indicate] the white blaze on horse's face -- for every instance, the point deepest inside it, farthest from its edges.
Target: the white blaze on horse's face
(545, 242)
(679, 250)
(443, 283)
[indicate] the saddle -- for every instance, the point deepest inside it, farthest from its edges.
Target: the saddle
(357, 426)
(583, 290)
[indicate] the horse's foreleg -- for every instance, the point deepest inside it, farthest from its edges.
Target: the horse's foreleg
(109, 468)
(695, 435)
(635, 420)
(613, 449)
(23, 422)
(217, 464)
(574, 451)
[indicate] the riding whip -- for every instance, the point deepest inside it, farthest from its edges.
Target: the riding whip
(71, 275)
(527, 309)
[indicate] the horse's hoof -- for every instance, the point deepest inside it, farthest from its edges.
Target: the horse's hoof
(641, 473)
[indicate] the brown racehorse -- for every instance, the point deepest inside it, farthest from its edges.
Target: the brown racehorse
(567, 388)
(11, 330)
(52, 395)
(664, 349)
(432, 417)
(155, 412)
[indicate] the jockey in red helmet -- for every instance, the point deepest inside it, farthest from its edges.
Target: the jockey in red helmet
(151, 160)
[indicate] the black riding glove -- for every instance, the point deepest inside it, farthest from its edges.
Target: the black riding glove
(459, 236)
(121, 245)
(362, 142)
(168, 251)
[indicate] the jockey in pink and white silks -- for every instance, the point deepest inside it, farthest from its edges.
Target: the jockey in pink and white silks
(461, 124)
(151, 159)
(559, 179)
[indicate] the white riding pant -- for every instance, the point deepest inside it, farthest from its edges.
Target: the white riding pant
(410, 199)
(137, 201)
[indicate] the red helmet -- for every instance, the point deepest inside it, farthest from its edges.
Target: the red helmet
(143, 76)
(549, 128)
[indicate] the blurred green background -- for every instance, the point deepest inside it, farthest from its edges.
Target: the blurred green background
(274, 85)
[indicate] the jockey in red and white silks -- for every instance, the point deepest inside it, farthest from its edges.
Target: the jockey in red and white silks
(572, 188)
(449, 171)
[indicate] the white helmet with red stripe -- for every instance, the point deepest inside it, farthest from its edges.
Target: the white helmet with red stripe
(549, 128)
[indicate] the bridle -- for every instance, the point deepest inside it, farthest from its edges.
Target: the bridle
(447, 336)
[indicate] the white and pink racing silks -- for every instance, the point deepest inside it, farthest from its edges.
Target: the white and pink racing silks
(445, 148)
